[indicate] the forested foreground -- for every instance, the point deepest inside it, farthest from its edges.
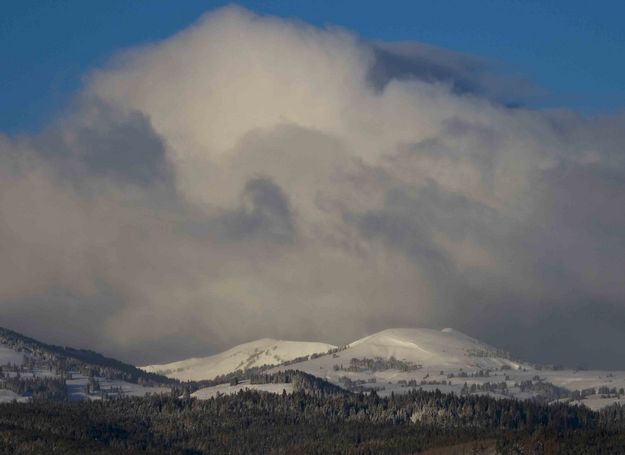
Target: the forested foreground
(305, 422)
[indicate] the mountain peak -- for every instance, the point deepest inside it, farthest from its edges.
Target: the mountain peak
(411, 338)
(257, 353)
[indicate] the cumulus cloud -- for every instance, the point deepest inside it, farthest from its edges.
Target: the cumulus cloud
(254, 176)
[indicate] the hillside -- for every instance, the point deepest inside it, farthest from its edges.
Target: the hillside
(14, 345)
(31, 368)
(431, 348)
(259, 353)
(399, 360)
(396, 361)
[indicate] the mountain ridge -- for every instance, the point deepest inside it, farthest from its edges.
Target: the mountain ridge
(410, 344)
(392, 361)
(253, 354)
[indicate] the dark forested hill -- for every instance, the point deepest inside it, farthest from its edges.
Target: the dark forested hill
(303, 422)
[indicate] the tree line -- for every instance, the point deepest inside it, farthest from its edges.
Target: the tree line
(316, 418)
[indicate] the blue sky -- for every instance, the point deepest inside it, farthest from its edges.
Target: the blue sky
(572, 49)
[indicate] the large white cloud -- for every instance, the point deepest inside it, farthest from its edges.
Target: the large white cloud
(254, 176)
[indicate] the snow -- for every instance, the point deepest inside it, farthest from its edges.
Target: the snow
(8, 355)
(455, 355)
(427, 347)
(266, 351)
(426, 354)
(77, 388)
(7, 396)
(596, 402)
(33, 373)
(227, 389)
(443, 360)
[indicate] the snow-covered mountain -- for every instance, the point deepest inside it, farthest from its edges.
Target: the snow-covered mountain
(398, 360)
(265, 351)
(390, 361)
(410, 354)
(429, 348)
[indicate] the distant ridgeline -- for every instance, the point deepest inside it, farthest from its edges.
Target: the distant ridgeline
(61, 360)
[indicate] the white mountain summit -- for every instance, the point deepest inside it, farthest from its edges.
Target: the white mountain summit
(425, 347)
(429, 348)
(265, 351)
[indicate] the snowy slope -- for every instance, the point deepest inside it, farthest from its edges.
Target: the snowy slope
(391, 361)
(227, 389)
(398, 360)
(10, 356)
(427, 347)
(7, 396)
(77, 388)
(35, 360)
(421, 351)
(265, 351)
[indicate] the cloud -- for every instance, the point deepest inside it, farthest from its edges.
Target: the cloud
(463, 73)
(265, 214)
(254, 176)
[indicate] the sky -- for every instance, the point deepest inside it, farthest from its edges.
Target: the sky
(177, 181)
(572, 50)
